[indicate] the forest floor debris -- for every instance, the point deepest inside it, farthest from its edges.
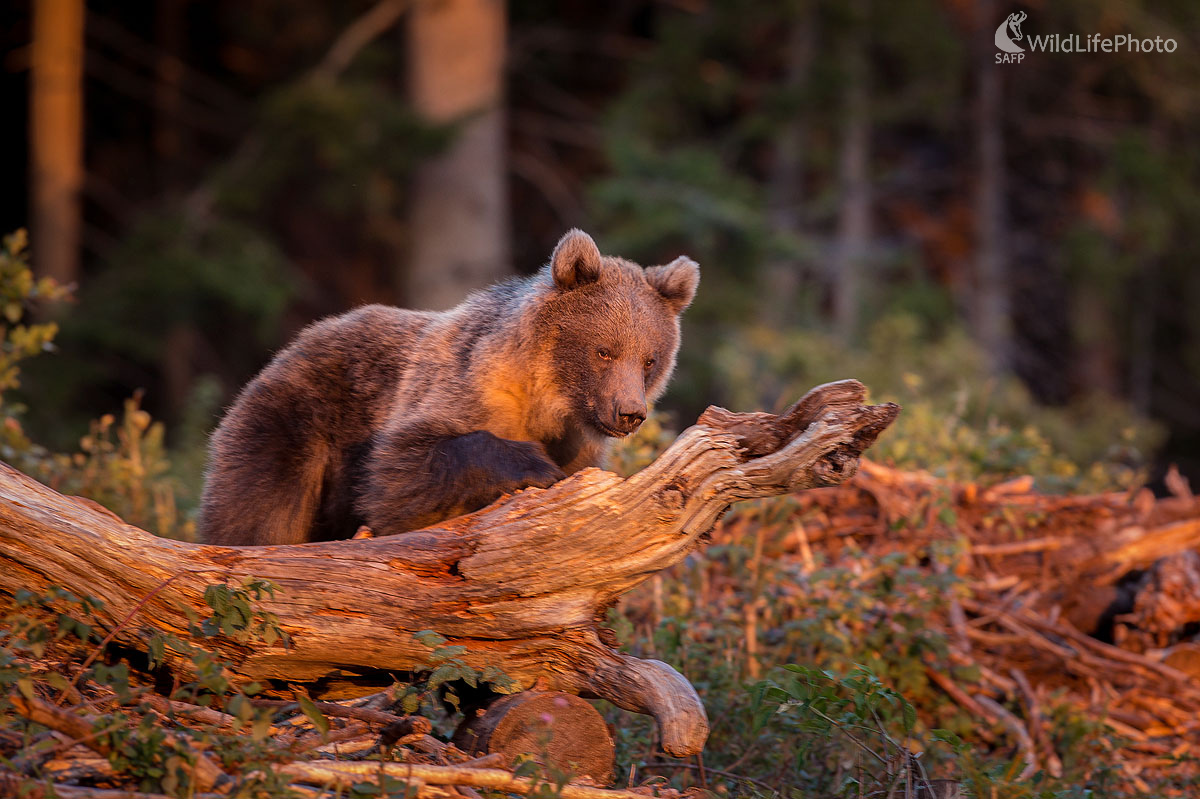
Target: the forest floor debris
(1088, 601)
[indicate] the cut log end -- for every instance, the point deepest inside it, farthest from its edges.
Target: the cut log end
(563, 729)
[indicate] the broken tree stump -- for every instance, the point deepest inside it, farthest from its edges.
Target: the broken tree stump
(523, 583)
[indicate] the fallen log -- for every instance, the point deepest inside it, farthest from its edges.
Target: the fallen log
(524, 583)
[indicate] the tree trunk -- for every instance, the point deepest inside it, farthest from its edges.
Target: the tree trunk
(524, 583)
(990, 312)
(854, 217)
(459, 222)
(56, 136)
(785, 184)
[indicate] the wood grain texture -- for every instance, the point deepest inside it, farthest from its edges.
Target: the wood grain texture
(565, 732)
(524, 583)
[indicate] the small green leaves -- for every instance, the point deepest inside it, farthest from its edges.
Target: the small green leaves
(443, 673)
(386, 786)
(499, 682)
(444, 652)
(258, 719)
(235, 616)
(950, 738)
(69, 625)
(315, 716)
(115, 677)
(411, 702)
(447, 666)
(156, 650)
(57, 681)
(429, 638)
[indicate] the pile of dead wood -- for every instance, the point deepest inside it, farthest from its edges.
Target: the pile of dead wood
(1094, 600)
(363, 742)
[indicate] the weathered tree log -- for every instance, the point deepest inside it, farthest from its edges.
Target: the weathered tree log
(524, 583)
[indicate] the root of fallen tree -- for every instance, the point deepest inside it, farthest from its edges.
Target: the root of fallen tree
(524, 583)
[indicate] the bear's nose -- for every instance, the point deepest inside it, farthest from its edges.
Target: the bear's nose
(630, 420)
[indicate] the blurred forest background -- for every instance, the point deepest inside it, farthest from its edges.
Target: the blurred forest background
(1007, 249)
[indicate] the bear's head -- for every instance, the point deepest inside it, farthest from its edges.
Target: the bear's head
(615, 330)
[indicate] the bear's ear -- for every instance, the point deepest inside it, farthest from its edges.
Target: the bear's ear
(676, 281)
(576, 260)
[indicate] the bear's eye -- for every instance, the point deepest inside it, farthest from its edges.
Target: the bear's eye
(650, 363)
(605, 354)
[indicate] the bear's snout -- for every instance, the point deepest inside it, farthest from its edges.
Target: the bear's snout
(630, 420)
(629, 417)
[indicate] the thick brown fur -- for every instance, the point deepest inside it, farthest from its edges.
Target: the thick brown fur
(398, 419)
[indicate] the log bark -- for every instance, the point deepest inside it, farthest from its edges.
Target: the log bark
(524, 583)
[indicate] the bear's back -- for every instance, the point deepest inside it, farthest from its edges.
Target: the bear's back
(342, 372)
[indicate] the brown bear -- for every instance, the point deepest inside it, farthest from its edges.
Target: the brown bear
(398, 419)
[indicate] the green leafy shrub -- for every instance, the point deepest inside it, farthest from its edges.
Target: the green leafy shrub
(122, 465)
(876, 617)
(959, 421)
(445, 677)
(58, 625)
(860, 733)
(171, 295)
(20, 339)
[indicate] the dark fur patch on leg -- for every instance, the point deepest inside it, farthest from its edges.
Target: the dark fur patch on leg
(416, 480)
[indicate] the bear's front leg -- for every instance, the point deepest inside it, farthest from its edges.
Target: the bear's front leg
(415, 480)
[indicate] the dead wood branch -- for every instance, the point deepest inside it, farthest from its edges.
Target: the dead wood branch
(346, 774)
(205, 772)
(1051, 578)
